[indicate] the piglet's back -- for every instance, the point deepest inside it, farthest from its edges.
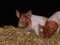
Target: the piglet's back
(39, 19)
(55, 17)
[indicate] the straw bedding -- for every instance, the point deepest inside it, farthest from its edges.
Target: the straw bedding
(10, 35)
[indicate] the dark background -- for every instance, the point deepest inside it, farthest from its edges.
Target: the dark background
(38, 7)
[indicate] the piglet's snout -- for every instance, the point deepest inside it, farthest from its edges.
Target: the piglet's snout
(20, 25)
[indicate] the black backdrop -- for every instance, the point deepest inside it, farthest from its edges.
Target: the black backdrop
(38, 7)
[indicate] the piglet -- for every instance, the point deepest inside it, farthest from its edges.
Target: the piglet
(31, 21)
(52, 26)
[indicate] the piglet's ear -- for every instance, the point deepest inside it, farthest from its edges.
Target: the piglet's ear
(29, 14)
(17, 13)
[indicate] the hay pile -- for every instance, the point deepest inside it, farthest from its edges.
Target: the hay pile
(10, 35)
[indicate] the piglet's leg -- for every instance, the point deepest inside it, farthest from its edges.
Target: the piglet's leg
(41, 27)
(36, 29)
(28, 30)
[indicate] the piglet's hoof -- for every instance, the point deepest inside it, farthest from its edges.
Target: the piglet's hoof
(50, 28)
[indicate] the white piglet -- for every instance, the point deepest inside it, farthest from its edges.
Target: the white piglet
(56, 18)
(30, 21)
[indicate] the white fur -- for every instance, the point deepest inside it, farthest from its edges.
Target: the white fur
(36, 20)
(56, 17)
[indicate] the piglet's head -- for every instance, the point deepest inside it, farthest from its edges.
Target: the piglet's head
(24, 19)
